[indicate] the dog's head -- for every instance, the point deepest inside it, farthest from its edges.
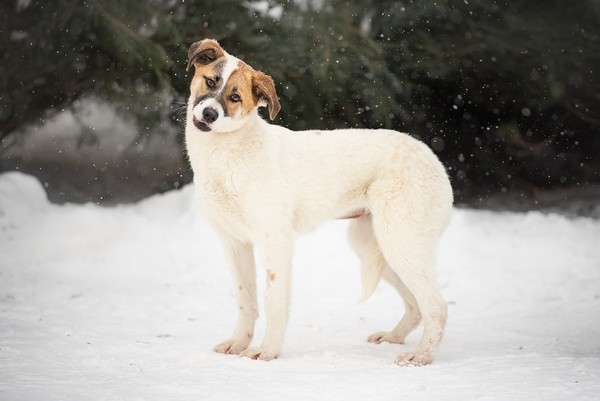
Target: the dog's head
(225, 91)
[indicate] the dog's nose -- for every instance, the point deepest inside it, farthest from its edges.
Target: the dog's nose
(210, 115)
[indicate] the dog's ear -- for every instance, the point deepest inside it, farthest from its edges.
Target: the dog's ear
(264, 88)
(204, 52)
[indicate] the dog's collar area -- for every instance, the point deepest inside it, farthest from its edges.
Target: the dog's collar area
(202, 126)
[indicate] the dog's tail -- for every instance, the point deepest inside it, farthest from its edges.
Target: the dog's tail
(371, 274)
(363, 242)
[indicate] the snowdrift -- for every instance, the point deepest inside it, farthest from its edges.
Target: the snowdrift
(127, 302)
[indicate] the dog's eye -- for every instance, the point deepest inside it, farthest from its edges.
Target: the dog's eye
(210, 83)
(235, 98)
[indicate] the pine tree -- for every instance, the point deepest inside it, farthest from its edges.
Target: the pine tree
(505, 92)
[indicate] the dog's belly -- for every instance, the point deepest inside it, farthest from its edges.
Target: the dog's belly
(354, 214)
(307, 216)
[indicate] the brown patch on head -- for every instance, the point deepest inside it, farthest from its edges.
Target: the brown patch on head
(272, 277)
(208, 58)
(237, 93)
(247, 88)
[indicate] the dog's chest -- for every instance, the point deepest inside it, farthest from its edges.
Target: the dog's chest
(221, 199)
(219, 194)
(226, 172)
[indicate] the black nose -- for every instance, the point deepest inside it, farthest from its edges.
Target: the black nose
(210, 115)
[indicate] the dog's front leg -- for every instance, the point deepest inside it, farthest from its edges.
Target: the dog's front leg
(276, 256)
(240, 258)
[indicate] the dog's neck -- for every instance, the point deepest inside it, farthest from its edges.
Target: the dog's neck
(254, 123)
(207, 144)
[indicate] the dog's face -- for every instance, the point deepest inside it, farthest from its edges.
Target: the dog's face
(225, 90)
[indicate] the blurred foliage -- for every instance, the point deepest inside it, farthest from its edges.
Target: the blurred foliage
(507, 93)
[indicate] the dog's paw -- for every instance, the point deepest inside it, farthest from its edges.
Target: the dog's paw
(385, 337)
(231, 346)
(414, 359)
(259, 353)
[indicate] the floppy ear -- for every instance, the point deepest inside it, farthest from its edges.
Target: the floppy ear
(264, 88)
(204, 52)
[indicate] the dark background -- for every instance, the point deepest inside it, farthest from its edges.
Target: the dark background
(507, 93)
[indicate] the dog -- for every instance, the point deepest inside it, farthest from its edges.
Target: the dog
(261, 185)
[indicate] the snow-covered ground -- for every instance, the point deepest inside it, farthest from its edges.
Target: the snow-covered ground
(126, 303)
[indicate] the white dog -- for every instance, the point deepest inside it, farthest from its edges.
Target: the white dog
(261, 185)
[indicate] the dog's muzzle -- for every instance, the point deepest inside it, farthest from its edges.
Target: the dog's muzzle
(209, 116)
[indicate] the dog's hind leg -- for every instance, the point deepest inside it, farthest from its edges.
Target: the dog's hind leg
(374, 267)
(412, 259)
(240, 258)
(407, 223)
(411, 318)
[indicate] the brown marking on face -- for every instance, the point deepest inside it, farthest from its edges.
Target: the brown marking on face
(251, 86)
(208, 58)
(204, 75)
(237, 95)
(272, 276)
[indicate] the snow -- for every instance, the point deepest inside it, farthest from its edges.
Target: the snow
(126, 303)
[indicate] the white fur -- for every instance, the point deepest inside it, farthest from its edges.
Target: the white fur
(262, 185)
